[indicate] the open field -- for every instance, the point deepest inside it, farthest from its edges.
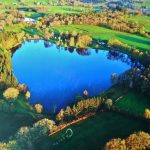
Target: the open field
(104, 33)
(134, 103)
(94, 132)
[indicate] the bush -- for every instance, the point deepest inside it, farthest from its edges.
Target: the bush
(22, 88)
(11, 93)
(49, 124)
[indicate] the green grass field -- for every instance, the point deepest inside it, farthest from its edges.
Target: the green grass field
(94, 132)
(106, 34)
(134, 103)
(141, 19)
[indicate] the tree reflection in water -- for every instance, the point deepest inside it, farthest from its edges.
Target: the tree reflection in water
(111, 55)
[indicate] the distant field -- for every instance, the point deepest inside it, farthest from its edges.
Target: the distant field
(94, 132)
(134, 103)
(27, 1)
(9, 1)
(59, 10)
(106, 34)
(147, 4)
(51, 9)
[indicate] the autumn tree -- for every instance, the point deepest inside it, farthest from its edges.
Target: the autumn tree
(38, 108)
(68, 111)
(27, 95)
(11, 93)
(136, 141)
(116, 144)
(140, 140)
(60, 115)
(72, 42)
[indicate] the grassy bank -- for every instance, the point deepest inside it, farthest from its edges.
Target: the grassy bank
(11, 122)
(134, 103)
(15, 115)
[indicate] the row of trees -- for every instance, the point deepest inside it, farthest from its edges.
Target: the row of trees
(68, 39)
(136, 141)
(137, 78)
(115, 20)
(82, 108)
(142, 56)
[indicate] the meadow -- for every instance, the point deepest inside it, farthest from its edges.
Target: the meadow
(103, 33)
(94, 132)
(134, 103)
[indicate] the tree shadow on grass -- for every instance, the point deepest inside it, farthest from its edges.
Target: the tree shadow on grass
(31, 31)
(134, 39)
(81, 30)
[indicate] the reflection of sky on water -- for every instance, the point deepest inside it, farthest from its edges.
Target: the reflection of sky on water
(57, 75)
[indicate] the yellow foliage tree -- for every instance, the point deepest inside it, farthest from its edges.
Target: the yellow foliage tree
(136, 141)
(116, 144)
(27, 95)
(38, 108)
(11, 93)
(60, 115)
(147, 114)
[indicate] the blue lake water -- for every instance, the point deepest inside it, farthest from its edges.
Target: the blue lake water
(55, 76)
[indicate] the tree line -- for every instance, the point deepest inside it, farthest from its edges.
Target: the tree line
(115, 20)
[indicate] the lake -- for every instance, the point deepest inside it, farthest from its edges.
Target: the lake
(55, 75)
